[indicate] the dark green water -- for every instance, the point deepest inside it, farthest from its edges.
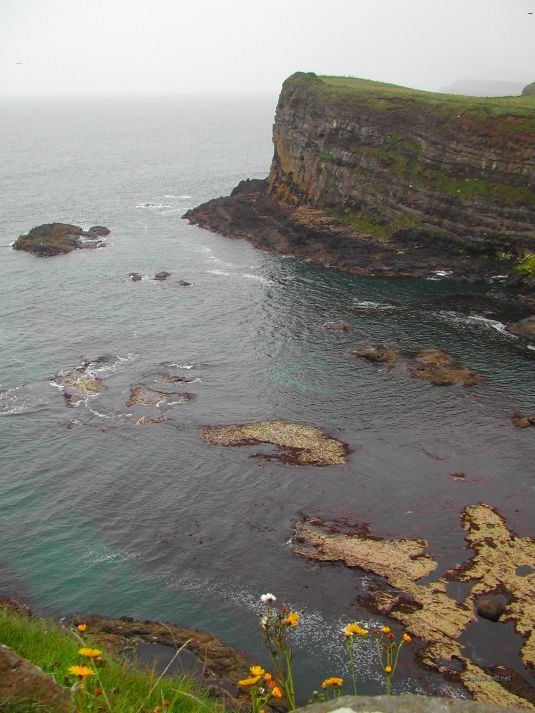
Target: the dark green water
(151, 521)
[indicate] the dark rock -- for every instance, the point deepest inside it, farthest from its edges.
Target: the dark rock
(163, 275)
(491, 606)
(524, 328)
(338, 326)
(135, 276)
(22, 682)
(58, 238)
(183, 283)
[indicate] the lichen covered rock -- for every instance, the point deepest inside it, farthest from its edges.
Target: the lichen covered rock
(502, 562)
(298, 444)
(441, 369)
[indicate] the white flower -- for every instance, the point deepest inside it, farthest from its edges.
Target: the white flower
(264, 622)
(268, 598)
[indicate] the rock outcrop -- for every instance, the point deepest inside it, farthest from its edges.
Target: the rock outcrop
(59, 238)
(379, 179)
(528, 90)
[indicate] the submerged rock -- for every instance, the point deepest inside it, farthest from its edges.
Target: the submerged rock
(298, 444)
(441, 369)
(338, 326)
(524, 328)
(163, 275)
(521, 421)
(58, 238)
(135, 276)
(381, 355)
(183, 283)
(144, 396)
(145, 420)
(491, 606)
(501, 562)
(78, 384)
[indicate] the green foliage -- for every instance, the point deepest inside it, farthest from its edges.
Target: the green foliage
(526, 265)
(366, 222)
(55, 649)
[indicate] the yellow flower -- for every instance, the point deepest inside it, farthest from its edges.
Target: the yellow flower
(385, 629)
(90, 653)
(333, 681)
(246, 682)
(355, 629)
(406, 637)
(81, 671)
(276, 692)
(256, 671)
(388, 669)
(82, 628)
(292, 619)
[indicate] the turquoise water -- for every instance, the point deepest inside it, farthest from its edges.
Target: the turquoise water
(151, 521)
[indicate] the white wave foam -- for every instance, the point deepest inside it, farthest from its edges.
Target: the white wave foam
(153, 206)
(121, 362)
(108, 554)
(258, 278)
(370, 305)
(531, 347)
(218, 272)
(439, 274)
(475, 319)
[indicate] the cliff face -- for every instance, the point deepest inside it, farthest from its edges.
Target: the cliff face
(381, 180)
(388, 160)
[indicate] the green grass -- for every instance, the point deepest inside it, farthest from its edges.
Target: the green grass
(517, 114)
(55, 649)
(526, 265)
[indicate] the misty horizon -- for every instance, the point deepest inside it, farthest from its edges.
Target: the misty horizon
(72, 49)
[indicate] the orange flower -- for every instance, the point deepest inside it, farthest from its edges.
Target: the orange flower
(81, 671)
(276, 692)
(388, 669)
(292, 619)
(246, 682)
(385, 629)
(390, 636)
(333, 681)
(256, 671)
(355, 629)
(406, 637)
(82, 628)
(267, 677)
(98, 691)
(90, 653)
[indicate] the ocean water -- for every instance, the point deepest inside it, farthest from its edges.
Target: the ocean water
(152, 522)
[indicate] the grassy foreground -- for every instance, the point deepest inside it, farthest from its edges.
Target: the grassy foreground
(116, 685)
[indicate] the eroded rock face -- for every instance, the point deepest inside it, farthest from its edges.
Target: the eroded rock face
(298, 444)
(380, 180)
(58, 238)
(22, 682)
(501, 562)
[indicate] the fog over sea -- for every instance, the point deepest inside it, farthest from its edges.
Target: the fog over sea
(152, 522)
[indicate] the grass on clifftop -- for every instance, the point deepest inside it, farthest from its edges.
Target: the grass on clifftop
(382, 96)
(127, 689)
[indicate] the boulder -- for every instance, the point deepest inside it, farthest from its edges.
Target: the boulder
(135, 276)
(491, 606)
(22, 682)
(441, 369)
(183, 283)
(524, 328)
(380, 355)
(163, 275)
(521, 421)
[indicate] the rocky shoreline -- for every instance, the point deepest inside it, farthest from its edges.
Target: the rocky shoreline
(253, 213)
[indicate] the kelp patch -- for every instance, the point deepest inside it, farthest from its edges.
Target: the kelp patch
(501, 562)
(298, 444)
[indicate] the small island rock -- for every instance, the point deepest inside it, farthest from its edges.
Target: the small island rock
(52, 239)
(163, 275)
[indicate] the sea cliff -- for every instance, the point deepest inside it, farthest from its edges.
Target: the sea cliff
(380, 179)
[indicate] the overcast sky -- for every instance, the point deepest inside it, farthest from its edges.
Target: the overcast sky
(92, 47)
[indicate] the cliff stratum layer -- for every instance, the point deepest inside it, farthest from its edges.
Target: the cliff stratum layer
(377, 178)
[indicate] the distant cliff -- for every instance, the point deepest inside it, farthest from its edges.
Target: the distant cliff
(377, 178)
